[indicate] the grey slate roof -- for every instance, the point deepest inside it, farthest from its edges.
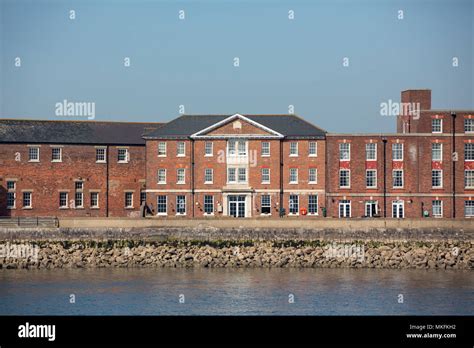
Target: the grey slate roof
(74, 132)
(291, 126)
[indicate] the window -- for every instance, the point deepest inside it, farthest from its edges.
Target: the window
(181, 149)
(344, 151)
(293, 149)
(371, 152)
(180, 176)
(79, 185)
(11, 185)
(371, 178)
(161, 149)
(397, 152)
(294, 204)
(33, 154)
(242, 148)
(469, 208)
(78, 200)
(313, 148)
(436, 152)
(293, 175)
(242, 175)
(161, 205)
(469, 125)
(313, 176)
(436, 125)
(181, 205)
(266, 204)
(63, 200)
(56, 154)
(469, 178)
(265, 149)
(313, 204)
(397, 177)
(95, 199)
(208, 176)
(128, 199)
(122, 155)
(371, 208)
(27, 202)
(398, 209)
(265, 175)
(161, 176)
(142, 198)
(469, 152)
(208, 148)
(231, 175)
(345, 208)
(231, 147)
(11, 200)
(100, 154)
(344, 178)
(437, 178)
(437, 207)
(208, 204)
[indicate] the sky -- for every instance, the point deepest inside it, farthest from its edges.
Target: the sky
(191, 61)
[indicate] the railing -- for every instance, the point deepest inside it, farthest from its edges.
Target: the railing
(20, 221)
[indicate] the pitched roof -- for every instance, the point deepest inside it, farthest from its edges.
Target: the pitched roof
(291, 126)
(74, 132)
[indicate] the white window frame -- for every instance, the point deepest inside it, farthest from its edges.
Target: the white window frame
(180, 149)
(78, 206)
(344, 203)
(97, 155)
(241, 170)
(229, 169)
(161, 170)
(127, 155)
(291, 203)
(29, 206)
(315, 153)
(343, 151)
(180, 176)
(471, 125)
(471, 178)
(433, 145)
(317, 204)
(60, 154)
(264, 175)
(14, 200)
(293, 178)
(366, 178)
(37, 148)
(440, 178)
(348, 177)
(440, 215)
(402, 178)
(294, 149)
(177, 205)
(206, 148)
(471, 206)
(212, 205)
(128, 206)
(466, 145)
(166, 205)
(398, 202)
(393, 151)
(440, 125)
(66, 205)
(208, 172)
(367, 151)
(94, 206)
(162, 153)
(315, 181)
(265, 151)
(269, 205)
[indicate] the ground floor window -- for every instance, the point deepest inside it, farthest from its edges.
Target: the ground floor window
(78, 200)
(62, 199)
(294, 204)
(128, 200)
(181, 205)
(94, 199)
(398, 209)
(209, 204)
(313, 204)
(11, 200)
(469, 208)
(437, 208)
(161, 205)
(266, 207)
(344, 208)
(142, 197)
(371, 208)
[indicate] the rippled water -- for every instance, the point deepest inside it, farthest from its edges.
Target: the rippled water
(236, 292)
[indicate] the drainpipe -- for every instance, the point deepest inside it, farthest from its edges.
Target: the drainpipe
(192, 176)
(384, 140)
(281, 179)
(453, 118)
(107, 182)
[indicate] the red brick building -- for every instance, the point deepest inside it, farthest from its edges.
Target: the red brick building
(241, 166)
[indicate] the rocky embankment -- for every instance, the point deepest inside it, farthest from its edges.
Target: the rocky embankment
(130, 253)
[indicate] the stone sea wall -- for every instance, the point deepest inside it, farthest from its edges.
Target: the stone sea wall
(85, 253)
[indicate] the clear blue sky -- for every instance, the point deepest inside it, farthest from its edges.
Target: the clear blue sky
(190, 62)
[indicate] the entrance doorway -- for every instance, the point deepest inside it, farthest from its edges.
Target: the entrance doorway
(237, 206)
